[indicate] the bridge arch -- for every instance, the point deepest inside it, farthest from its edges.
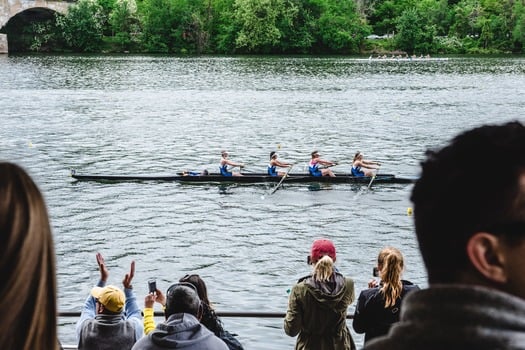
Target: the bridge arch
(29, 8)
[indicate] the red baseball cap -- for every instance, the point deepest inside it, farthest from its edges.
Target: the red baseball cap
(322, 247)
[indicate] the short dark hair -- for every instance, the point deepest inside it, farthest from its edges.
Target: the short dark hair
(182, 298)
(470, 185)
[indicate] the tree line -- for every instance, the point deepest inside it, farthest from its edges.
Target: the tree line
(281, 27)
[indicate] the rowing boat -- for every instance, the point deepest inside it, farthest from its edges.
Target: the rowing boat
(247, 178)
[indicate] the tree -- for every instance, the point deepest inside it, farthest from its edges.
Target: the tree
(339, 29)
(82, 27)
(518, 31)
(414, 33)
(124, 23)
(257, 20)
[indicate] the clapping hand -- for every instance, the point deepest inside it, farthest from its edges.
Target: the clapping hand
(104, 273)
(129, 276)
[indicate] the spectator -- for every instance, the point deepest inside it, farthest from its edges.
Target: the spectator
(469, 211)
(182, 328)
(27, 265)
(379, 306)
(111, 319)
(318, 304)
(209, 317)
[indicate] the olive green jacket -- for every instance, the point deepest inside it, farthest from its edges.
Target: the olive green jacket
(317, 314)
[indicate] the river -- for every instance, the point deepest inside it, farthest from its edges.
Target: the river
(132, 114)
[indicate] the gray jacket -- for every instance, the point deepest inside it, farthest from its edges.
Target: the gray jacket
(180, 331)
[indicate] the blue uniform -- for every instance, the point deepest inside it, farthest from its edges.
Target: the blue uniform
(314, 170)
(356, 171)
(224, 170)
(272, 170)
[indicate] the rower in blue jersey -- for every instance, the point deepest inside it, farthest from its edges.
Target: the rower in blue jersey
(274, 163)
(224, 165)
(363, 167)
(313, 166)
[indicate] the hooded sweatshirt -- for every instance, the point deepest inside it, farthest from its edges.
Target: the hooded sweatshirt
(317, 313)
(180, 331)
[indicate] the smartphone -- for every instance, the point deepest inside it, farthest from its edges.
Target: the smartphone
(375, 272)
(152, 286)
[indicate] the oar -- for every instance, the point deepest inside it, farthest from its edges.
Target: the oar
(372, 179)
(282, 179)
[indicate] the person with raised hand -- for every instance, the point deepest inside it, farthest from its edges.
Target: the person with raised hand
(182, 328)
(111, 318)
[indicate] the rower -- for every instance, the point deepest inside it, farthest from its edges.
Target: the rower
(274, 163)
(313, 166)
(224, 165)
(363, 167)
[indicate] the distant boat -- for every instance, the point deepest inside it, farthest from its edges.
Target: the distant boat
(403, 59)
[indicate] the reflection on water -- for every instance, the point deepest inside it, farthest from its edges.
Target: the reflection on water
(159, 115)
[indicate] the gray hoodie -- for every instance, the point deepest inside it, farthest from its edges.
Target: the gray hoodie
(181, 331)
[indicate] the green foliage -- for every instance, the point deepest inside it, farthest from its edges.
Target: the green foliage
(413, 33)
(82, 26)
(257, 20)
(518, 31)
(283, 26)
(339, 27)
(125, 25)
(176, 25)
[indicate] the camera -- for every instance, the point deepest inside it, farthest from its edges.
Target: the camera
(375, 272)
(152, 286)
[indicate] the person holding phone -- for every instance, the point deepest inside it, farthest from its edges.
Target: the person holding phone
(379, 306)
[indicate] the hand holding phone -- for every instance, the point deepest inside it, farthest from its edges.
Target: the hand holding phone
(152, 286)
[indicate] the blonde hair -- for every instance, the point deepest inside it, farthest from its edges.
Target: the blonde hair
(390, 261)
(323, 269)
(27, 265)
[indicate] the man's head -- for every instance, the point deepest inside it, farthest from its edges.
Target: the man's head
(469, 208)
(110, 298)
(183, 298)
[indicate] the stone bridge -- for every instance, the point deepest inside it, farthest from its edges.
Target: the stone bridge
(12, 8)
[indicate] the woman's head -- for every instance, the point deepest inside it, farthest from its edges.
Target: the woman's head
(390, 265)
(27, 264)
(322, 256)
(357, 156)
(273, 155)
(315, 154)
(199, 284)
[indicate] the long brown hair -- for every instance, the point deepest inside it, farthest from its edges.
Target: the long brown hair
(27, 265)
(390, 263)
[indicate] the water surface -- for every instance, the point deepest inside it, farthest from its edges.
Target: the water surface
(159, 115)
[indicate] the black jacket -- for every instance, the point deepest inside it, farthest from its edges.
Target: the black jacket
(371, 317)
